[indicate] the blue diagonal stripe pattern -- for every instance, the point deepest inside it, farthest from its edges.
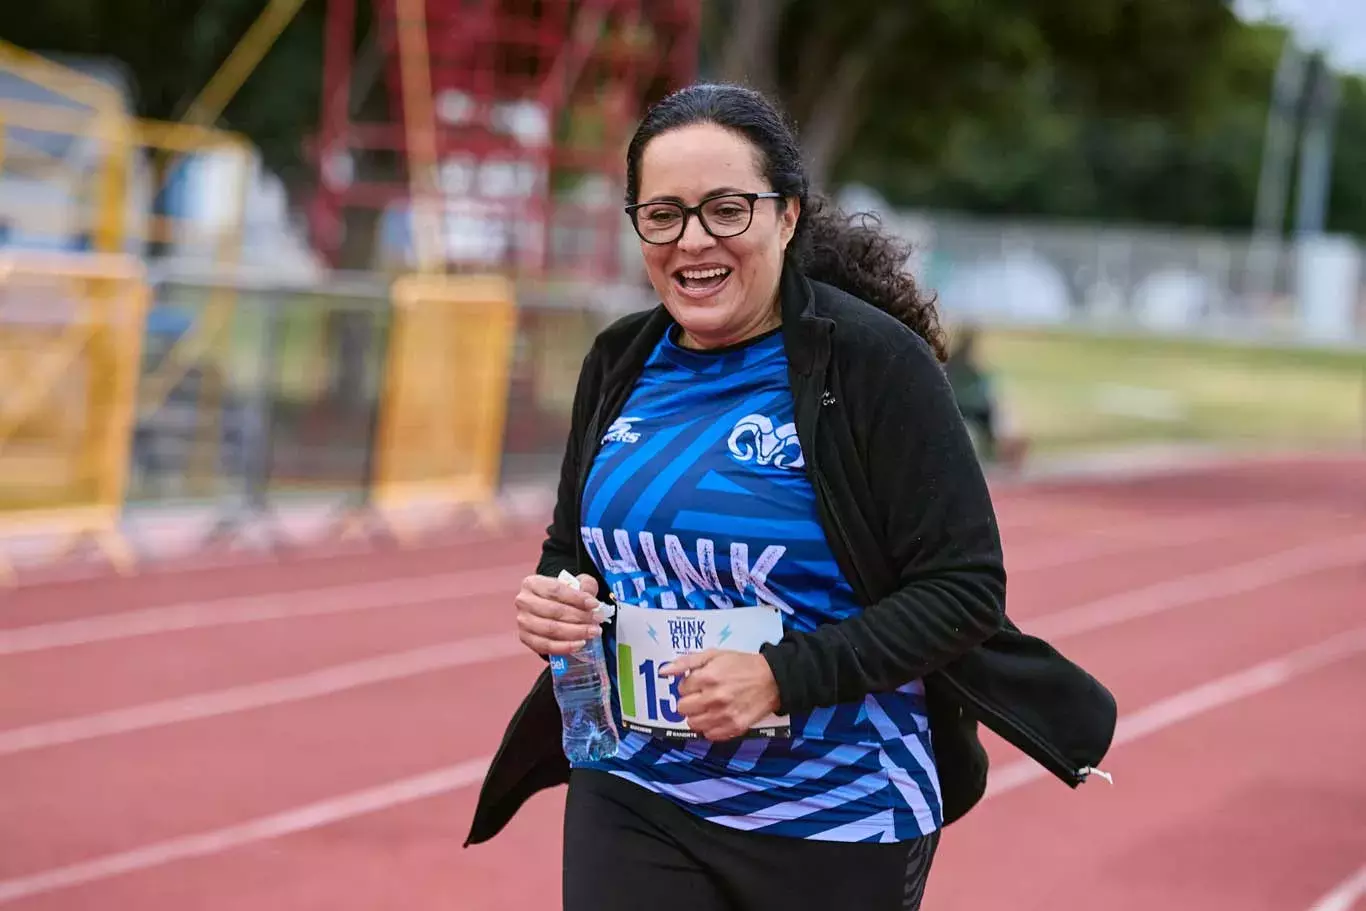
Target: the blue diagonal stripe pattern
(675, 502)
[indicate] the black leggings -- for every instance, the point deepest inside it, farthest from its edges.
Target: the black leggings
(626, 848)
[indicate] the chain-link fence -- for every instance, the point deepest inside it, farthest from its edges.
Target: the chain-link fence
(281, 400)
(1112, 278)
(283, 405)
(258, 393)
(556, 327)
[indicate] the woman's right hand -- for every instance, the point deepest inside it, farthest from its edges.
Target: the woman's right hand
(555, 619)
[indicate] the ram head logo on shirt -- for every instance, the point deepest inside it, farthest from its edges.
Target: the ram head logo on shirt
(755, 440)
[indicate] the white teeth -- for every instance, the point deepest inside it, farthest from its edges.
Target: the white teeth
(700, 274)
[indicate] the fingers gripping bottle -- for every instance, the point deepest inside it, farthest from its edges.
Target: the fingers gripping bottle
(589, 733)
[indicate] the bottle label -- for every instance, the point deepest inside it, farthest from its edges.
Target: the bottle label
(558, 664)
(648, 639)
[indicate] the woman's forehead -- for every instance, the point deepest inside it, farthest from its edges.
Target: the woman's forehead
(694, 161)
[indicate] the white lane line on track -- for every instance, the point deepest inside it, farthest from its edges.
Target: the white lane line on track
(203, 844)
(1201, 699)
(1157, 717)
(502, 581)
(1345, 895)
(1135, 538)
(313, 602)
(323, 682)
(1180, 592)
(1195, 588)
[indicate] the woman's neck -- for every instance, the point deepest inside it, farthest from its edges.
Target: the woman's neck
(772, 319)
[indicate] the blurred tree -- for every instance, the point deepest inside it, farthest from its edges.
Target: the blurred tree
(1145, 110)
(1071, 156)
(1347, 196)
(864, 77)
(1074, 156)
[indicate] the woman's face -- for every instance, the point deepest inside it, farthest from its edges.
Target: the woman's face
(720, 290)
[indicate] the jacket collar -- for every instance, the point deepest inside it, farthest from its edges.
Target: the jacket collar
(806, 334)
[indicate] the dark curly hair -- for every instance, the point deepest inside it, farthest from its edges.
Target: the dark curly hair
(850, 252)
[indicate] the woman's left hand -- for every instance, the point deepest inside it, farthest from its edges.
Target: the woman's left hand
(723, 693)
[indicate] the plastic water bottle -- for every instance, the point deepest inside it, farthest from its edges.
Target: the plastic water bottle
(584, 692)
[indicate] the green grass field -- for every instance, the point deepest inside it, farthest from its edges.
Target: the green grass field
(1070, 391)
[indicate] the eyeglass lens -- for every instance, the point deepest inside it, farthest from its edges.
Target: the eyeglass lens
(723, 216)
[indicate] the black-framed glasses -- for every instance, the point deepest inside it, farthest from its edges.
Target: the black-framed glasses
(723, 215)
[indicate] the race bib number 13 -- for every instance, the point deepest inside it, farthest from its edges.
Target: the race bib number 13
(648, 639)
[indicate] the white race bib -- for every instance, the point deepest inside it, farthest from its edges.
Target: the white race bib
(648, 639)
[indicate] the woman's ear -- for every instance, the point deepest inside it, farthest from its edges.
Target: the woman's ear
(791, 213)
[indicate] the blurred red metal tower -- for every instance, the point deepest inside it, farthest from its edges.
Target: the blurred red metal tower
(512, 114)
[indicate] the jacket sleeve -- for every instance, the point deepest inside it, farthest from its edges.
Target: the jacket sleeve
(559, 550)
(938, 530)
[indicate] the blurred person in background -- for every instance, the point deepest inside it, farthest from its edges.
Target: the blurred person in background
(777, 436)
(974, 389)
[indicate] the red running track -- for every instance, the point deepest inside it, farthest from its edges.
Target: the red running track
(288, 737)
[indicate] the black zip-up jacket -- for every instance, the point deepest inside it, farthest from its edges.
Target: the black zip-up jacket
(909, 518)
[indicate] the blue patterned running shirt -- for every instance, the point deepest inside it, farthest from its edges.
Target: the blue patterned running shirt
(699, 499)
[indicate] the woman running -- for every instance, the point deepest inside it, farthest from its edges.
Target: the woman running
(768, 477)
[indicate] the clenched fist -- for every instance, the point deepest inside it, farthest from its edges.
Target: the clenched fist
(554, 618)
(724, 693)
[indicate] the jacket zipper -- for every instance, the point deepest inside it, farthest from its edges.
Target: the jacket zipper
(844, 541)
(827, 498)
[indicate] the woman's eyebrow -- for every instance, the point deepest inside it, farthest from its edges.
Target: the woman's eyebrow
(718, 191)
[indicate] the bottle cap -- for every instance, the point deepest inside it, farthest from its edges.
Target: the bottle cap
(603, 612)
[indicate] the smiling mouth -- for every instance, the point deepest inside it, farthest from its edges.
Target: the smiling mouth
(702, 280)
